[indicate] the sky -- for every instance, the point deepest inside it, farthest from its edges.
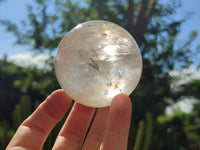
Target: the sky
(15, 10)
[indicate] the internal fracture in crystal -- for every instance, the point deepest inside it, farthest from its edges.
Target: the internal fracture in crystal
(96, 61)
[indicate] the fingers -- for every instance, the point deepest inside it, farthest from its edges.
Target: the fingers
(75, 128)
(96, 133)
(34, 130)
(116, 133)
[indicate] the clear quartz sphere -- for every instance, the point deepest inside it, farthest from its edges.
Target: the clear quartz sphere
(97, 60)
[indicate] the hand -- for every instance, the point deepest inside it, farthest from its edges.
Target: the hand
(109, 130)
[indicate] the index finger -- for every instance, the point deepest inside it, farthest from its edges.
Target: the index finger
(33, 132)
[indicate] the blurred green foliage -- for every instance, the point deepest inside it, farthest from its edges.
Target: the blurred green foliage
(152, 25)
(182, 130)
(6, 133)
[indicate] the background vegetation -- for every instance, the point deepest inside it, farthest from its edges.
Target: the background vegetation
(152, 25)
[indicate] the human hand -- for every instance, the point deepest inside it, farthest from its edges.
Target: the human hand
(109, 130)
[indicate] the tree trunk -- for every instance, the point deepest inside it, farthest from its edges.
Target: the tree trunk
(137, 30)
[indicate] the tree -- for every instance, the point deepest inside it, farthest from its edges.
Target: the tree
(147, 20)
(191, 89)
(16, 81)
(8, 91)
(182, 130)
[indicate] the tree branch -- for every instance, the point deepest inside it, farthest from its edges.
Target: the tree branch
(100, 7)
(130, 16)
(151, 8)
(146, 11)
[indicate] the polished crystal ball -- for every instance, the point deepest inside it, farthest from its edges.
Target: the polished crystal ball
(97, 60)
